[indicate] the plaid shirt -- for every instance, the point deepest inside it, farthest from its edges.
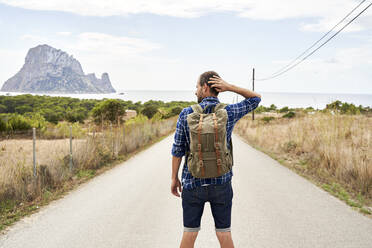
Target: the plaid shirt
(182, 139)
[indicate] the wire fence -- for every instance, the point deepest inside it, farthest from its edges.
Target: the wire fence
(34, 160)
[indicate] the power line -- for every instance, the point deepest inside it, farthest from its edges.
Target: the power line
(287, 67)
(343, 19)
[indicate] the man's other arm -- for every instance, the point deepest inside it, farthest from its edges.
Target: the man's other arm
(176, 161)
(178, 151)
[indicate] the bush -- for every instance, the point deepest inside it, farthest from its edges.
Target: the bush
(176, 110)
(138, 119)
(18, 122)
(108, 110)
(173, 112)
(157, 117)
(36, 120)
(52, 115)
(267, 119)
(272, 107)
(76, 115)
(284, 109)
(3, 125)
(260, 109)
(62, 130)
(346, 108)
(290, 114)
(149, 111)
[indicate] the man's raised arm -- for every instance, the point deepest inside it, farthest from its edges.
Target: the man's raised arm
(220, 85)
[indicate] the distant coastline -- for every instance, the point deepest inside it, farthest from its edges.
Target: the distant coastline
(280, 99)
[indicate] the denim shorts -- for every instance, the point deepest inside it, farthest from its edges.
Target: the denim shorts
(220, 198)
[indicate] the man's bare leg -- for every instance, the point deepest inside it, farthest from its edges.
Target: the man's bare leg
(225, 239)
(188, 239)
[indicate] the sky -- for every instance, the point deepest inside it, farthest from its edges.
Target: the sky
(166, 45)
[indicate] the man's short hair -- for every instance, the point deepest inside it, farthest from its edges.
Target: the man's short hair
(204, 78)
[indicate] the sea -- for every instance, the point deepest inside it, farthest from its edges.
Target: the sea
(279, 99)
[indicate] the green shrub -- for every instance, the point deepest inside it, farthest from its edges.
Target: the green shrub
(36, 120)
(76, 115)
(346, 108)
(108, 110)
(157, 117)
(290, 114)
(138, 119)
(267, 119)
(18, 122)
(176, 111)
(284, 109)
(272, 107)
(149, 111)
(3, 125)
(52, 115)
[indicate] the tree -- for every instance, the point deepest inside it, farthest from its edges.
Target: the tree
(110, 110)
(284, 109)
(3, 125)
(18, 122)
(272, 107)
(149, 111)
(76, 114)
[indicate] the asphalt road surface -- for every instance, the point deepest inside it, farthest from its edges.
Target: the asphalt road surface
(131, 206)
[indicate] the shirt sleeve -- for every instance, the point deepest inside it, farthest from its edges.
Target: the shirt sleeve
(238, 110)
(179, 144)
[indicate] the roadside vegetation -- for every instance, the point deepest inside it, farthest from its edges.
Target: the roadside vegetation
(332, 147)
(103, 135)
(22, 112)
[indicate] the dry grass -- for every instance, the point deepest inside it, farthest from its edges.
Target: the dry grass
(93, 151)
(332, 148)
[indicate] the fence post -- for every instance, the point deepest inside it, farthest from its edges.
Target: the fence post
(87, 138)
(124, 147)
(34, 149)
(70, 148)
(112, 141)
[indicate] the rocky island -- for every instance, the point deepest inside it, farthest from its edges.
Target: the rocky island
(50, 70)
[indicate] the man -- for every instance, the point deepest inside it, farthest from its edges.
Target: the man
(217, 191)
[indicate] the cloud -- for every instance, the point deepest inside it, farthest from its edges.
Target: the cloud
(109, 44)
(64, 33)
(95, 43)
(326, 13)
(34, 38)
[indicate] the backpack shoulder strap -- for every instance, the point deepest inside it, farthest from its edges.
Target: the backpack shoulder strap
(219, 106)
(197, 108)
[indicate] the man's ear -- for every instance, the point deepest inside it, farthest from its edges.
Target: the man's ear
(205, 87)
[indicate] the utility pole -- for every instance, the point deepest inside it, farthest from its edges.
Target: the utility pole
(253, 90)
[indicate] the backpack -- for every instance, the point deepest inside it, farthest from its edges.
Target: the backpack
(208, 155)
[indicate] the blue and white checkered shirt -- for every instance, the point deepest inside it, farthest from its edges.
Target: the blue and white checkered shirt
(182, 139)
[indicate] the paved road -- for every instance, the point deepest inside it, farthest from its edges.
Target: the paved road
(131, 206)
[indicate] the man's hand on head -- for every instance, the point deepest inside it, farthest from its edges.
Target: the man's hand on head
(219, 84)
(176, 184)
